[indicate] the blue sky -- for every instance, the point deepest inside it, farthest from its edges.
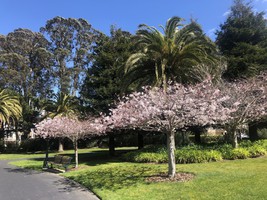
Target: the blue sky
(125, 14)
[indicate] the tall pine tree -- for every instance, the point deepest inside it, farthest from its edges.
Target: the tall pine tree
(103, 83)
(242, 39)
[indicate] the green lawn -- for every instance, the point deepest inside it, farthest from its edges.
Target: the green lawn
(113, 179)
(20, 156)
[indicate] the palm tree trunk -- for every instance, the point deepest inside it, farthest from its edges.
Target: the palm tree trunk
(18, 139)
(164, 78)
(45, 163)
(171, 154)
(157, 75)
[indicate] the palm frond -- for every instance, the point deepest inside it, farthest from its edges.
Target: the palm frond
(10, 107)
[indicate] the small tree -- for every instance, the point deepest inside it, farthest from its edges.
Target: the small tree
(71, 128)
(249, 100)
(166, 111)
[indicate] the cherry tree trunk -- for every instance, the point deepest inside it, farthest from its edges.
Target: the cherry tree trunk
(235, 140)
(171, 154)
(76, 153)
(231, 135)
(60, 145)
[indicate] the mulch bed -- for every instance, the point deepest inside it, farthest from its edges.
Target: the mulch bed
(179, 177)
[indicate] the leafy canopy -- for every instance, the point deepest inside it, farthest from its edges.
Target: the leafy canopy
(171, 55)
(242, 40)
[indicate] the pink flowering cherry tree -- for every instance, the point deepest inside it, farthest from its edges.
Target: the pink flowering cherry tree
(70, 127)
(249, 100)
(166, 111)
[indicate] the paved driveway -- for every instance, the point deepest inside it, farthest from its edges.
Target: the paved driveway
(22, 184)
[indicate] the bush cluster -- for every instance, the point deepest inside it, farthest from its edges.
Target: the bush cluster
(199, 154)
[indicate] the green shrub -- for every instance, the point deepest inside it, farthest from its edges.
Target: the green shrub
(262, 133)
(152, 157)
(32, 145)
(214, 155)
(146, 157)
(256, 151)
(196, 156)
(262, 143)
(183, 155)
(192, 147)
(245, 143)
(226, 151)
(239, 153)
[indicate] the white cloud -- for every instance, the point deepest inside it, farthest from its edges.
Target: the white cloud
(226, 13)
(211, 33)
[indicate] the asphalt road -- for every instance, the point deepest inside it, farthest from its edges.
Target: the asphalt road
(22, 184)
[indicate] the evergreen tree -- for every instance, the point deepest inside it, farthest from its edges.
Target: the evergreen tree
(104, 80)
(71, 41)
(25, 68)
(174, 55)
(242, 39)
(25, 64)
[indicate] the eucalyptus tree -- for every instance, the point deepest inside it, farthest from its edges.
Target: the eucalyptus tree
(71, 41)
(171, 55)
(25, 68)
(25, 64)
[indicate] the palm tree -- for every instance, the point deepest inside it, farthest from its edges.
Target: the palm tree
(66, 105)
(10, 107)
(171, 55)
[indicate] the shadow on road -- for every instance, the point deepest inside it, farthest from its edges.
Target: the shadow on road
(67, 185)
(21, 170)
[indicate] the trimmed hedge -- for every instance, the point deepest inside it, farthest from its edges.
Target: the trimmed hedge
(198, 154)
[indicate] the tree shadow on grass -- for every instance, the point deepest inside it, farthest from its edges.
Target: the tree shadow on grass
(98, 157)
(114, 178)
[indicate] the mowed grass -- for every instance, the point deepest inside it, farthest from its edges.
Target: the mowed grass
(113, 179)
(13, 156)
